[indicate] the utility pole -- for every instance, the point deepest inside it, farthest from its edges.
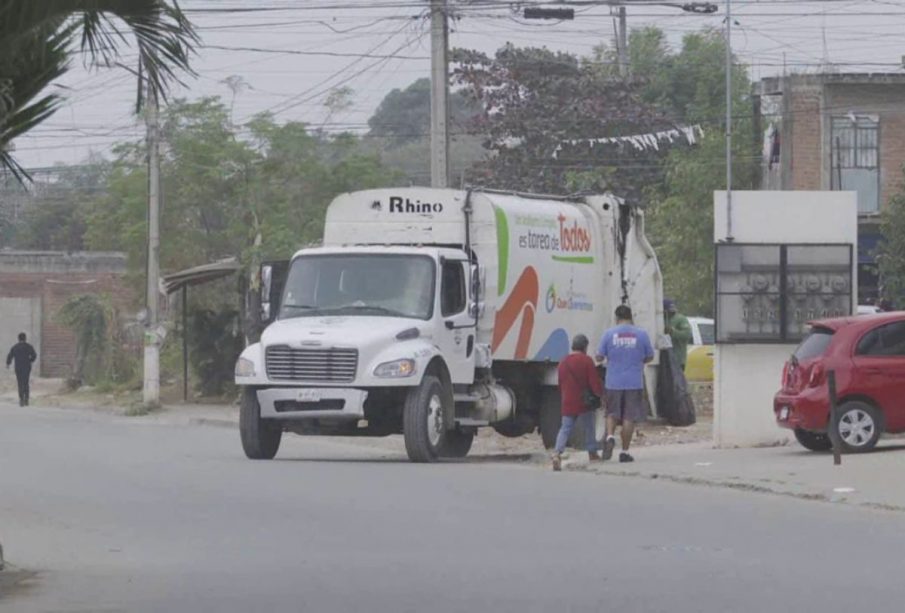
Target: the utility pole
(151, 389)
(439, 94)
(622, 42)
(729, 236)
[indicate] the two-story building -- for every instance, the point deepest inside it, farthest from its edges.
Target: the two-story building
(836, 132)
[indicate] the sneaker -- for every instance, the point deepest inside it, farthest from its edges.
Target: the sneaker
(594, 456)
(557, 462)
(625, 457)
(608, 447)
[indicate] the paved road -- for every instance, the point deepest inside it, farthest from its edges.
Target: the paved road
(117, 514)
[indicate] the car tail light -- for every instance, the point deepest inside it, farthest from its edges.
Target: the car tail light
(785, 375)
(817, 376)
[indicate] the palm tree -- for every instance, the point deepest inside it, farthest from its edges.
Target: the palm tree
(38, 39)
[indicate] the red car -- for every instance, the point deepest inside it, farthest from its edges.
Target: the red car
(867, 354)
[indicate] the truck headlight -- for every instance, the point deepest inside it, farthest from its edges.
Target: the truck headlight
(395, 369)
(245, 368)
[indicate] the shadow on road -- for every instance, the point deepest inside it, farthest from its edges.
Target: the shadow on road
(499, 458)
(15, 582)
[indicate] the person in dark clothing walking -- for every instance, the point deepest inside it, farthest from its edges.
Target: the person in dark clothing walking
(24, 356)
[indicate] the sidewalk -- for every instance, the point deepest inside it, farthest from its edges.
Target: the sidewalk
(869, 480)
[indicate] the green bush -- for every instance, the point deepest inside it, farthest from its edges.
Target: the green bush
(215, 342)
(103, 357)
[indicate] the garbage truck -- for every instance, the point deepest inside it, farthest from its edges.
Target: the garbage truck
(431, 313)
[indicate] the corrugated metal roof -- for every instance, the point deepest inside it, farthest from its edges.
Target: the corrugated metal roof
(200, 274)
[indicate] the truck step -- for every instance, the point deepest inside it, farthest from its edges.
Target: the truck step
(466, 398)
(469, 422)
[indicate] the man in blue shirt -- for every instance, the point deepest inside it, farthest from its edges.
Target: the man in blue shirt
(626, 349)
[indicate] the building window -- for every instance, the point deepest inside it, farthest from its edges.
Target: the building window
(856, 159)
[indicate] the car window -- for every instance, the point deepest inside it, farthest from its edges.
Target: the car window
(888, 340)
(707, 333)
(452, 288)
(814, 344)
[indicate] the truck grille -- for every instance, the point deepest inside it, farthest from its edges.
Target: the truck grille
(287, 364)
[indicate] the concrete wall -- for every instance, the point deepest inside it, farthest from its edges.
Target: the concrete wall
(41, 282)
(746, 376)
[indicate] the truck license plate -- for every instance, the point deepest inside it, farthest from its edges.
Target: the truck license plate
(310, 396)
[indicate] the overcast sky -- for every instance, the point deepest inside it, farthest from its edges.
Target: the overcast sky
(289, 76)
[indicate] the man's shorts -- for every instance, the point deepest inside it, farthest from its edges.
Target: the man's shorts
(625, 405)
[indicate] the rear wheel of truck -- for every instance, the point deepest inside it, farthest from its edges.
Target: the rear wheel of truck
(422, 421)
(457, 444)
(260, 437)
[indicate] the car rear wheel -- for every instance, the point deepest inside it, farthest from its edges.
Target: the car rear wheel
(815, 441)
(858, 425)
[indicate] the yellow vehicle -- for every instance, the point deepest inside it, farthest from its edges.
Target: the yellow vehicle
(700, 352)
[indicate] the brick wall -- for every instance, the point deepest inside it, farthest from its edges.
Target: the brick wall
(810, 103)
(54, 279)
(804, 144)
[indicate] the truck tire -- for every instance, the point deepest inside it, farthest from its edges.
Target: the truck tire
(550, 417)
(422, 421)
(260, 437)
(457, 444)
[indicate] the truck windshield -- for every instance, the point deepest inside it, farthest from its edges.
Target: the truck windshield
(360, 284)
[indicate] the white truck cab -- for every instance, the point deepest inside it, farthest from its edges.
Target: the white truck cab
(431, 313)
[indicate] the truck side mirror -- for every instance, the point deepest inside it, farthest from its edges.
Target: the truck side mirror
(266, 289)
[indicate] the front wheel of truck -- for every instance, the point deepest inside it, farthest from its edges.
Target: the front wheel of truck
(260, 437)
(422, 421)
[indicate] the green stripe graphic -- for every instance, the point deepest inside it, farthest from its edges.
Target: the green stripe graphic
(576, 259)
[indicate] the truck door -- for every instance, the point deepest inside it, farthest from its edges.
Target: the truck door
(456, 337)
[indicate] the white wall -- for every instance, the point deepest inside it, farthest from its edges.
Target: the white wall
(746, 376)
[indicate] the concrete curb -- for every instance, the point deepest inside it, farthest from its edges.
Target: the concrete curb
(738, 485)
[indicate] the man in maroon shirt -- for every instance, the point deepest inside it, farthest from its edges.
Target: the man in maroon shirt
(577, 373)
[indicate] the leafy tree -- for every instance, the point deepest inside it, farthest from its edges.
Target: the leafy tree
(692, 84)
(534, 100)
(216, 341)
(260, 196)
(100, 356)
(681, 218)
(38, 39)
(400, 133)
(404, 115)
(54, 219)
(891, 258)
